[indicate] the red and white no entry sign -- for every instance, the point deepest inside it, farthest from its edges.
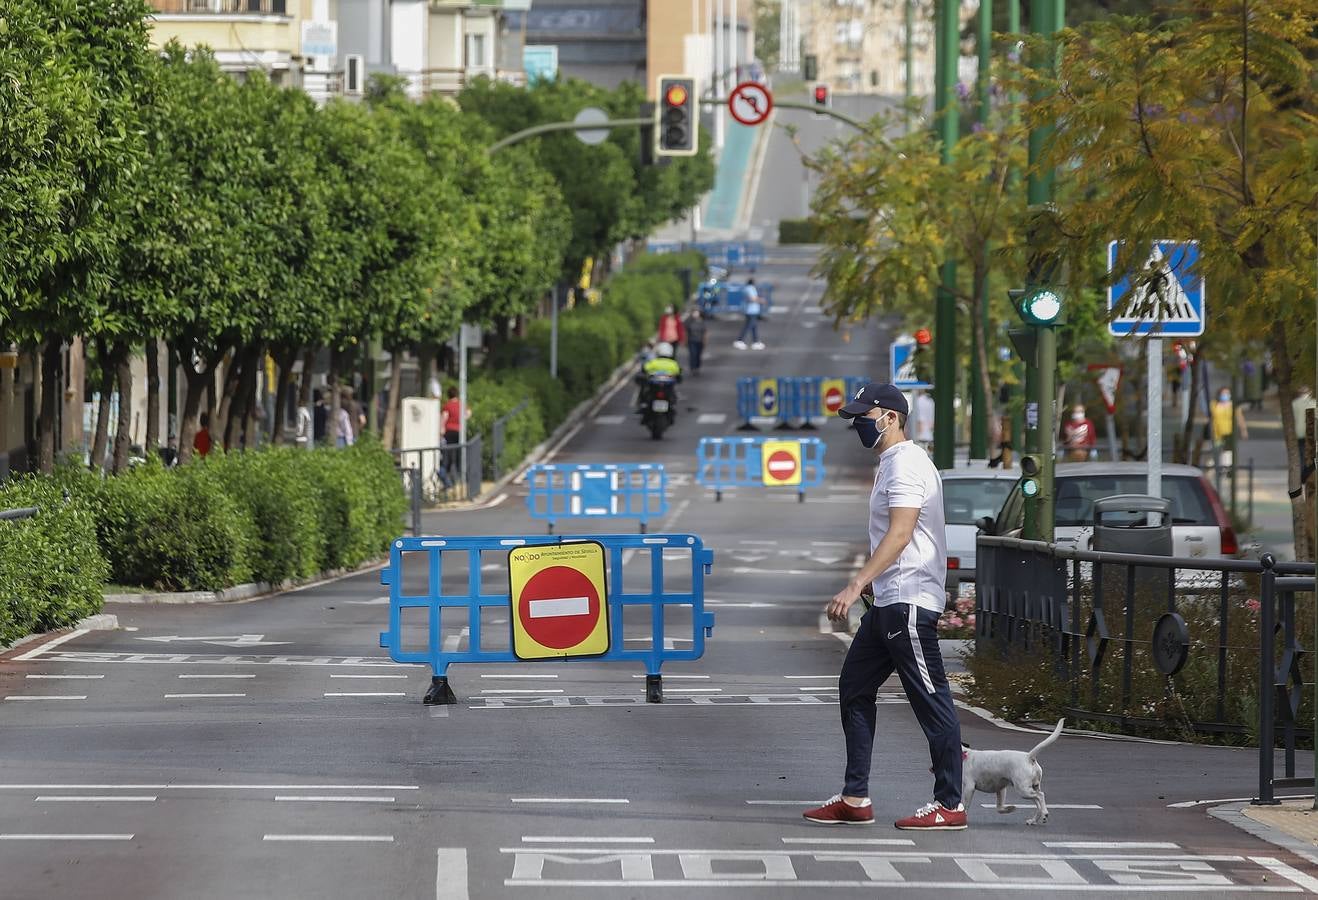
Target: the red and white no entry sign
(750, 103)
(782, 465)
(559, 600)
(559, 607)
(833, 399)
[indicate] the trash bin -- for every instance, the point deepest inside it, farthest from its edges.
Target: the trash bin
(1134, 523)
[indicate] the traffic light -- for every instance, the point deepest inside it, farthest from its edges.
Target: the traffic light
(1030, 481)
(922, 357)
(1041, 306)
(676, 124)
(822, 95)
(810, 67)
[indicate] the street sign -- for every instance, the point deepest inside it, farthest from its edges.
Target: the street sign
(750, 103)
(592, 115)
(782, 463)
(768, 396)
(559, 600)
(832, 394)
(320, 38)
(1109, 380)
(901, 357)
(1170, 304)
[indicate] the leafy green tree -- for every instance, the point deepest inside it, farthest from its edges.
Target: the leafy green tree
(72, 75)
(1200, 126)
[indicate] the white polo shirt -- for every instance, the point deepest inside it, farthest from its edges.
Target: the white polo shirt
(907, 478)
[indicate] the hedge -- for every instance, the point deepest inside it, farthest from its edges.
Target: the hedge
(799, 231)
(51, 572)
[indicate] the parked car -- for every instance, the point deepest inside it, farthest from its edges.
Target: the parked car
(968, 496)
(1200, 526)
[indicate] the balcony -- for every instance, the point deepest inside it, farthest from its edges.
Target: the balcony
(221, 7)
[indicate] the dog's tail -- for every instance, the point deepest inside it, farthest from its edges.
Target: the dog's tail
(1034, 754)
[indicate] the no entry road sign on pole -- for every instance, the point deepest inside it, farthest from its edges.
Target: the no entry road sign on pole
(750, 103)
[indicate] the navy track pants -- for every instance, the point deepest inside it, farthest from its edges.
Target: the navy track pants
(901, 638)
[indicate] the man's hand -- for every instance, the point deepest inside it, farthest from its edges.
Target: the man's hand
(842, 601)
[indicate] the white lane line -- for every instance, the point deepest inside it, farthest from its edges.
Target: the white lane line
(329, 798)
(368, 676)
(451, 874)
(682, 690)
(118, 798)
(519, 676)
(782, 802)
(610, 420)
(815, 689)
(675, 677)
(51, 645)
(1308, 882)
(47, 697)
(569, 800)
(66, 837)
(1111, 845)
(340, 838)
(210, 787)
(452, 642)
(1054, 806)
(711, 418)
(68, 677)
(809, 676)
(226, 676)
(549, 839)
(881, 842)
(528, 691)
(365, 694)
(829, 544)
(759, 543)
(200, 696)
(746, 570)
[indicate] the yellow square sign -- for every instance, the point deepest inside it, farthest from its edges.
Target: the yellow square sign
(780, 463)
(559, 599)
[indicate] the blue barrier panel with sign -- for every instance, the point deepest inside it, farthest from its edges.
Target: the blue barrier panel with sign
(733, 298)
(795, 397)
(753, 254)
(565, 599)
(724, 462)
(597, 490)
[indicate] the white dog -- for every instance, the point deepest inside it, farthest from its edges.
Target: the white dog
(991, 771)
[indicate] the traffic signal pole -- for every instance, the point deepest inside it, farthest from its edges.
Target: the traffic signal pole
(979, 400)
(947, 46)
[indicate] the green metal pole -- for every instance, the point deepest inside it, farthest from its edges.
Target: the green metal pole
(946, 111)
(909, 60)
(979, 402)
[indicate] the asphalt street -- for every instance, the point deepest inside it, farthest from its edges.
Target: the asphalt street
(270, 748)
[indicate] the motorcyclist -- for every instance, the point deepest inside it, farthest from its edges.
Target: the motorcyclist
(663, 364)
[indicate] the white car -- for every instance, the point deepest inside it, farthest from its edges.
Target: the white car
(969, 495)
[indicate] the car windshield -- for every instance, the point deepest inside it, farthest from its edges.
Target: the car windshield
(1076, 495)
(967, 500)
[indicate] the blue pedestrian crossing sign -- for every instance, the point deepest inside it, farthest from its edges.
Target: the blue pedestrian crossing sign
(1170, 300)
(901, 359)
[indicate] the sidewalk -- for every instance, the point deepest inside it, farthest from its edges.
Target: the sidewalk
(1292, 825)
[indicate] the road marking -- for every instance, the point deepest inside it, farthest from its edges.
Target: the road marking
(47, 697)
(759, 543)
(1110, 845)
(341, 676)
(569, 800)
(80, 656)
(209, 787)
(610, 420)
(1308, 882)
(200, 696)
(340, 838)
(587, 840)
(516, 691)
(66, 837)
(374, 601)
(451, 874)
(744, 570)
(51, 645)
(782, 802)
(677, 676)
(118, 798)
(222, 675)
(365, 694)
(821, 699)
(67, 677)
(330, 798)
(846, 842)
(1056, 806)
(829, 544)
(683, 690)
(1188, 804)
(810, 676)
(453, 641)
(521, 676)
(711, 418)
(233, 640)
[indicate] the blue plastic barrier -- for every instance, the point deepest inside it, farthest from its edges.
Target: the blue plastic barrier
(753, 254)
(797, 398)
(724, 462)
(597, 490)
(733, 297)
(478, 593)
(659, 247)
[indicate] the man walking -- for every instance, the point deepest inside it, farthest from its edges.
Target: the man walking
(906, 568)
(751, 327)
(695, 339)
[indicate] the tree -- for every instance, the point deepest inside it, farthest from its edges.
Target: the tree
(1198, 126)
(72, 73)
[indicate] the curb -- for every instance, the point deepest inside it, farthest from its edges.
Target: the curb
(99, 622)
(238, 593)
(1233, 814)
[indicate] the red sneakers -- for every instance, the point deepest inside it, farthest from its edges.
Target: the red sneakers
(838, 812)
(935, 817)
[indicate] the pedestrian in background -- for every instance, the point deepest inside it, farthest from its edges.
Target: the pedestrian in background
(305, 427)
(924, 421)
(1226, 417)
(695, 339)
(1079, 436)
(751, 327)
(450, 419)
(319, 416)
(671, 330)
(201, 442)
(899, 632)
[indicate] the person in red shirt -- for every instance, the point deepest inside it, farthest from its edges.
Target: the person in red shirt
(671, 329)
(202, 442)
(1079, 436)
(450, 417)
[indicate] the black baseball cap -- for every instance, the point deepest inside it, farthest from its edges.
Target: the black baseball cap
(875, 396)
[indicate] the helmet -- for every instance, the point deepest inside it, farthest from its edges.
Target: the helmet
(663, 348)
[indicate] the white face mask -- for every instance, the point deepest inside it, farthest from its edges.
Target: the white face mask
(1077, 417)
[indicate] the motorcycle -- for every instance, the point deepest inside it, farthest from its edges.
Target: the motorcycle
(707, 297)
(658, 400)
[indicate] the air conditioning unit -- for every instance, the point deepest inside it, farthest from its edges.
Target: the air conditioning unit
(354, 74)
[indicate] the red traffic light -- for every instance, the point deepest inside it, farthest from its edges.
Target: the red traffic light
(821, 93)
(676, 95)
(924, 337)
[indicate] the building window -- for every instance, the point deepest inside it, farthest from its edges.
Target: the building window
(354, 73)
(476, 58)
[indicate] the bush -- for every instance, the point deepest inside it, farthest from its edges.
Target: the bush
(799, 231)
(51, 571)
